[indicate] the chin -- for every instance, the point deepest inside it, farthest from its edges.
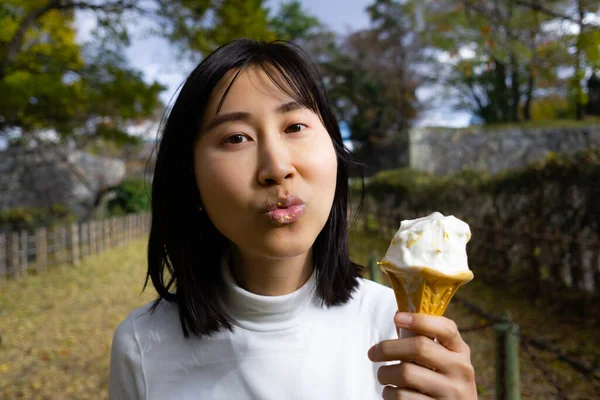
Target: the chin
(278, 247)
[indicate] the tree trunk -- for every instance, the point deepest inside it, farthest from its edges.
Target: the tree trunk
(529, 94)
(515, 89)
(514, 95)
(500, 100)
(579, 106)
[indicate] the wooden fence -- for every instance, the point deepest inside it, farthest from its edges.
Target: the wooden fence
(22, 252)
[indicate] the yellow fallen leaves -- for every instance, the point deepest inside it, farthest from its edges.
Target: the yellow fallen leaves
(61, 325)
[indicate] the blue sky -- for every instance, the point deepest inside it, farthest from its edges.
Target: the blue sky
(158, 60)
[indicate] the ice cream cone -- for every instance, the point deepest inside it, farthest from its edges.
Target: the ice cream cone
(424, 290)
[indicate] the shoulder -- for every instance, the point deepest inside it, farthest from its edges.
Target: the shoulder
(145, 322)
(378, 304)
(130, 343)
(373, 294)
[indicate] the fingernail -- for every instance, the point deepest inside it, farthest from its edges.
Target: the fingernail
(372, 352)
(403, 319)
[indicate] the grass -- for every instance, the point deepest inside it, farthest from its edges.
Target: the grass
(56, 328)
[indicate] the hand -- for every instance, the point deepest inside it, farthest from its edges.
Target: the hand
(429, 369)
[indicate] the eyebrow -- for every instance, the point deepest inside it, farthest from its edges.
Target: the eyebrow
(244, 116)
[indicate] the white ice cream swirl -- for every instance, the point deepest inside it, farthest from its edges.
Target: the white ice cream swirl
(435, 242)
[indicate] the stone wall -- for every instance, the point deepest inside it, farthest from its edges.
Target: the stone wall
(444, 151)
(47, 175)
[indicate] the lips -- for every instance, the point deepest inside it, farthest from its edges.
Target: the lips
(284, 210)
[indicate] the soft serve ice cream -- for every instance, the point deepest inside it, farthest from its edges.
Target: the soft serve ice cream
(427, 262)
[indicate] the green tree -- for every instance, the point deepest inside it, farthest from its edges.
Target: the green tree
(200, 26)
(292, 22)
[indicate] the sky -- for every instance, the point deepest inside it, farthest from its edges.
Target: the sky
(159, 62)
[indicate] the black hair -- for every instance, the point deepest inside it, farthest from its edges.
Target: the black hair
(184, 247)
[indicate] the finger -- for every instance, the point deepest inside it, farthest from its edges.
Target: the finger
(440, 328)
(417, 349)
(392, 393)
(415, 377)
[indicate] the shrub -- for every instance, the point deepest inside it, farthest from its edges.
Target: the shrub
(129, 197)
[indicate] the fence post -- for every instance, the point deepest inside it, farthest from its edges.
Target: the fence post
(85, 240)
(3, 253)
(93, 242)
(41, 250)
(13, 258)
(107, 241)
(114, 228)
(373, 257)
(24, 259)
(122, 237)
(506, 339)
(62, 239)
(130, 227)
(75, 244)
(100, 236)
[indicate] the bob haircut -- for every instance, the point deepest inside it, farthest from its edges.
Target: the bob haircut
(184, 248)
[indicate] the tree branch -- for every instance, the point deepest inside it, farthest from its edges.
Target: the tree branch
(539, 7)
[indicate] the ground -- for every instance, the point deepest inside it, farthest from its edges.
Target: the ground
(56, 330)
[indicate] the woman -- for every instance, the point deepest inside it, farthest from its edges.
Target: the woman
(248, 252)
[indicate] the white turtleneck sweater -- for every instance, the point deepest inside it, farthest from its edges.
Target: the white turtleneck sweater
(283, 347)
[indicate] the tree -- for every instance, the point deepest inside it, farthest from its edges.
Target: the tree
(370, 76)
(292, 22)
(501, 54)
(200, 26)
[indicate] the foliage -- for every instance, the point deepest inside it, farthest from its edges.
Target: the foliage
(201, 26)
(89, 93)
(292, 22)
(373, 98)
(131, 196)
(54, 84)
(497, 57)
(30, 218)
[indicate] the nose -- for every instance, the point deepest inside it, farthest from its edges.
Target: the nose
(275, 161)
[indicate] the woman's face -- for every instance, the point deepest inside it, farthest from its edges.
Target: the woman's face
(265, 167)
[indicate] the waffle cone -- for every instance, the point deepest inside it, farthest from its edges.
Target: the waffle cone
(424, 290)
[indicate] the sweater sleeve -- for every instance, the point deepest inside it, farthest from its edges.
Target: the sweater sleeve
(126, 377)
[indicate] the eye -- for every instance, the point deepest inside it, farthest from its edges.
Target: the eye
(235, 139)
(294, 128)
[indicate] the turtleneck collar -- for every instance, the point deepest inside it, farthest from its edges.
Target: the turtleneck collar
(267, 313)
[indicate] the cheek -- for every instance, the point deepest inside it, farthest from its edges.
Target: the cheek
(221, 183)
(320, 170)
